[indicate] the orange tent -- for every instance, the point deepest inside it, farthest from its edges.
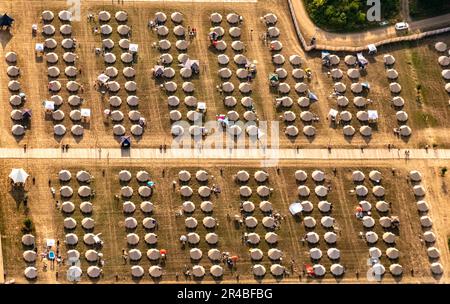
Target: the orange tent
(309, 269)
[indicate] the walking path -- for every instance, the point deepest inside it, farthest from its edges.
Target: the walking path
(267, 154)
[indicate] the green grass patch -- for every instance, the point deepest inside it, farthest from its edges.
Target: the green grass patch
(424, 120)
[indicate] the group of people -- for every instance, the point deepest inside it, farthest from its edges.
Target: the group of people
(192, 32)
(47, 256)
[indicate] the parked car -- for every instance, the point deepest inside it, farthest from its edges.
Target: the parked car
(401, 26)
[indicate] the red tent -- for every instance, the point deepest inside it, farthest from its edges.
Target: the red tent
(234, 258)
(359, 209)
(309, 269)
(163, 251)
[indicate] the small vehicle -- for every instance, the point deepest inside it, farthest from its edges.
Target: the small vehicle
(401, 26)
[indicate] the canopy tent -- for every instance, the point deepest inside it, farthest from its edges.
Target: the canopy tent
(326, 58)
(201, 106)
(295, 208)
(6, 20)
(18, 176)
(361, 59)
(194, 65)
(274, 79)
(133, 47)
(158, 70)
(49, 105)
(365, 85)
(373, 115)
(333, 113)
(39, 47)
(85, 112)
(103, 78)
(372, 49)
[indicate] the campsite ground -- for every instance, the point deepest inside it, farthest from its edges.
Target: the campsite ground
(416, 64)
(109, 218)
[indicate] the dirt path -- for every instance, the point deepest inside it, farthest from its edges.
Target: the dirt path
(236, 154)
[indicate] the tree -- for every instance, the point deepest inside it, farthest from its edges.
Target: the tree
(348, 15)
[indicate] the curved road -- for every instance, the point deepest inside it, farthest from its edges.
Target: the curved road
(362, 39)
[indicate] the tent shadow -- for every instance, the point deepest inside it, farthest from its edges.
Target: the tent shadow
(77, 138)
(136, 280)
(138, 138)
(18, 138)
(437, 277)
(258, 279)
(95, 280)
(125, 152)
(279, 278)
(5, 37)
(18, 194)
(367, 139)
(58, 138)
(405, 139)
(197, 280)
(398, 278)
(217, 280)
(32, 281)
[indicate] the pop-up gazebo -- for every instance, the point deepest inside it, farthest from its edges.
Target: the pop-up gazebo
(18, 176)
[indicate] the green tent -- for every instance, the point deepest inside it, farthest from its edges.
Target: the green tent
(273, 77)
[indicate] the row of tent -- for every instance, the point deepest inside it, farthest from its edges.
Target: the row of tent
(193, 65)
(362, 61)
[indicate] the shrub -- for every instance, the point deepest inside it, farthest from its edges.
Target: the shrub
(27, 225)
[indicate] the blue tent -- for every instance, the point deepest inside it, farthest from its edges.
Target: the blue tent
(26, 113)
(325, 58)
(366, 85)
(125, 141)
(312, 96)
(5, 20)
(325, 54)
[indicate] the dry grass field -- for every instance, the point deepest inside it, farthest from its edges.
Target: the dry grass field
(109, 219)
(416, 64)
